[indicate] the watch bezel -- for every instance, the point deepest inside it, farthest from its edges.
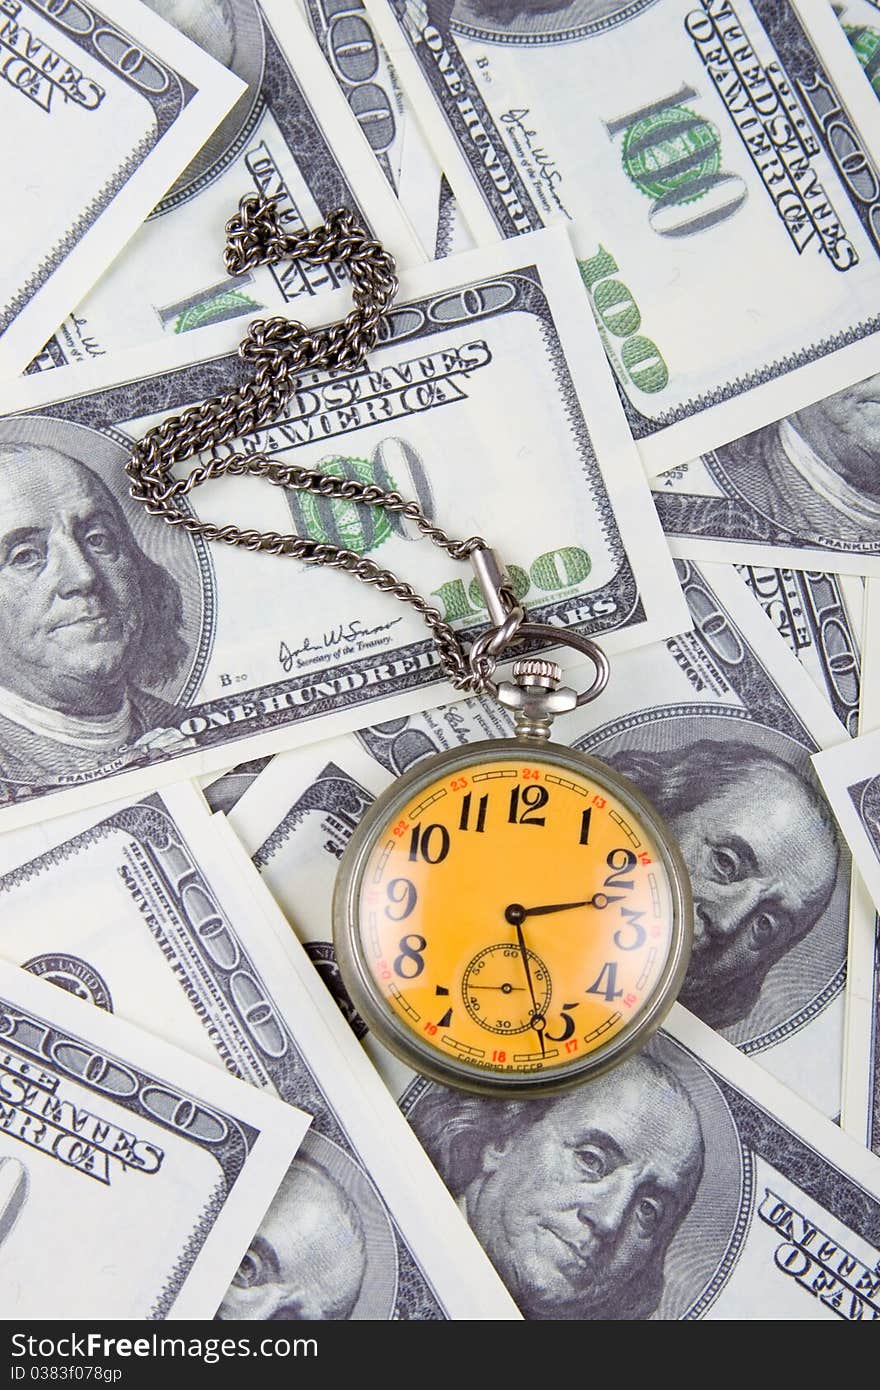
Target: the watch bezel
(366, 994)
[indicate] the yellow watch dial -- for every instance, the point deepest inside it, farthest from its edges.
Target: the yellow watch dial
(515, 916)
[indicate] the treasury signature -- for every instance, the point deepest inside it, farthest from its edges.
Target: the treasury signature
(545, 166)
(344, 635)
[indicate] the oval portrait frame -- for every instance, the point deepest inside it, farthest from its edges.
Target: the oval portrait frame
(378, 1296)
(704, 1249)
(582, 19)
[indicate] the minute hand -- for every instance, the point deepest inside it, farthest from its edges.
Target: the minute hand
(516, 913)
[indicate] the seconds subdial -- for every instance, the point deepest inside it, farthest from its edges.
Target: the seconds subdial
(496, 993)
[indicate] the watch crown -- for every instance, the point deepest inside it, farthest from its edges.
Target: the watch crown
(535, 671)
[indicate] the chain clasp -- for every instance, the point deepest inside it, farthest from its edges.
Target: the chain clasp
(534, 702)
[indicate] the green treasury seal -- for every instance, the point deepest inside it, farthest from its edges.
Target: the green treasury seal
(668, 150)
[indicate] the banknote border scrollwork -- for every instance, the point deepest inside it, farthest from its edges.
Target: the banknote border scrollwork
(535, 37)
(150, 825)
(313, 799)
(724, 1266)
(229, 1153)
(282, 97)
(865, 797)
(78, 229)
(166, 108)
(728, 1261)
(229, 137)
(189, 1254)
(313, 692)
(766, 1135)
(692, 516)
(642, 426)
(821, 614)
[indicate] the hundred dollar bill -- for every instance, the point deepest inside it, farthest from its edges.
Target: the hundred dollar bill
(132, 1176)
(224, 792)
(684, 1184)
(290, 136)
(869, 714)
(134, 655)
(860, 1108)
(717, 728)
(820, 617)
(802, 491)
(102, 105)
(703, 154)
(151, 911)
(850, 774)
(861, 24)
(860, 1114)
(368, 82)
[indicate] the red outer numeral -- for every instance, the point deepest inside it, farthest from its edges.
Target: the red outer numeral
(629, 1000)
(400, 828)
(531, 774)
(571, 1045)
(458, 783)
(600, 801)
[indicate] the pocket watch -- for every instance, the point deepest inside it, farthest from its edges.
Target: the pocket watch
(512, 917)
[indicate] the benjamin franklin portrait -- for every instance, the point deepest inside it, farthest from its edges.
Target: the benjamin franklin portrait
(326, 1249)
(817, 472)
(308, 1259)
(575, 1198)
(94, 632)
(762, 853)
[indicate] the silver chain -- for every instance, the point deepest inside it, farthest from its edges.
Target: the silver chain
(281, 350)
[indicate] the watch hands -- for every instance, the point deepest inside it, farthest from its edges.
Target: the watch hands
(517, 914)
(537, 1016)
(505, 988)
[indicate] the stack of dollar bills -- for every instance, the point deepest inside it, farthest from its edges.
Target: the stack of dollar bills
(637, 346)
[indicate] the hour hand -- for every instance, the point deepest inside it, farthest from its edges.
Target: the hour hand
(516, 914)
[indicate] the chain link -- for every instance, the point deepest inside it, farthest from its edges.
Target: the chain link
(282, 349)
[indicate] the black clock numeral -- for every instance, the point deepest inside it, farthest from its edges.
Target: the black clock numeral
(567, 1027)
(432, 843)
(608, 991)
(464, 821)
(622, 861)
(410, 963)
(534, 799)
(633, 922)
(402, 894)
(585, 826)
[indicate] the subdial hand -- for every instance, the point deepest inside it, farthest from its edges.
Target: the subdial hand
(505, 988)
(537, 1020)
(516, 914)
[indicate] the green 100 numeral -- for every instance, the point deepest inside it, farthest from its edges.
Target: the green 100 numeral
(552, 572)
